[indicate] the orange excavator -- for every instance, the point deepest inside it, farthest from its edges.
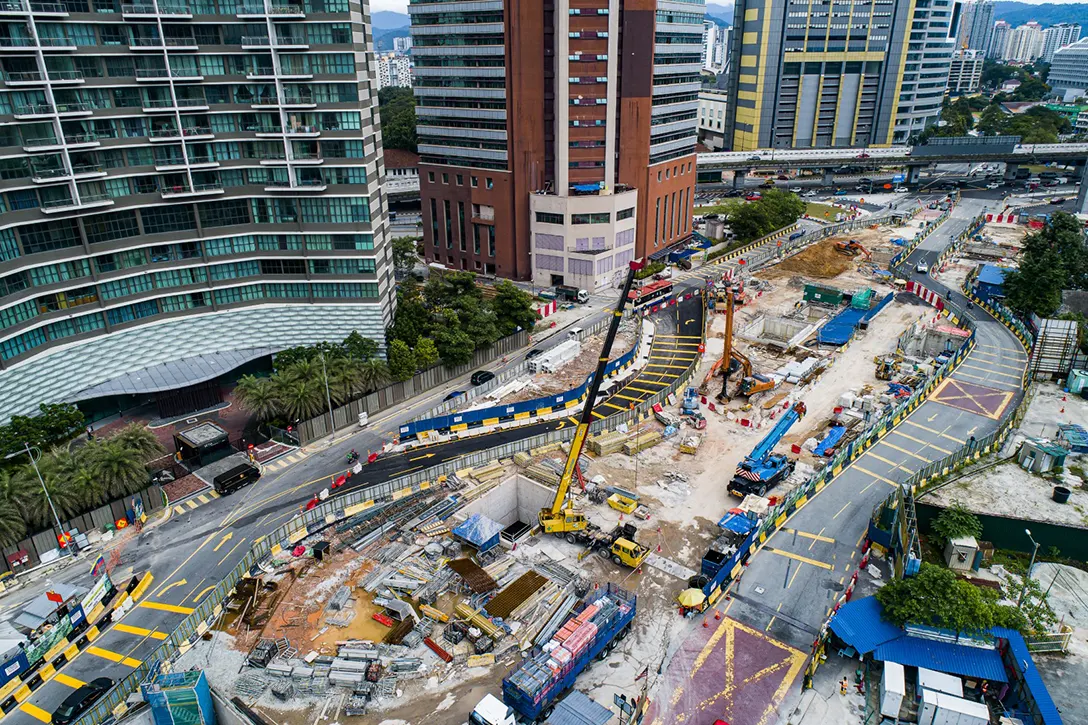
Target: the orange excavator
(751, 383)
(853, 248)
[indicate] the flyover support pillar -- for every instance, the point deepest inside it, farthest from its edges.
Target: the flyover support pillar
(829, 177)
(914, 174)
(1082, 192)
(738, 178)
(1010, 171)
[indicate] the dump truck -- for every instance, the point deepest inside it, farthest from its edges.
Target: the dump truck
(571, 294)
(531, 691)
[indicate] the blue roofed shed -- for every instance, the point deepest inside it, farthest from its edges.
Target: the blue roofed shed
(956, 659)
(480, 531)
(990, 283)
(859, 624)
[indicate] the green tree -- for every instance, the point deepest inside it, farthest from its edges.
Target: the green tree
(292, 355)
(1055, 258)
(426, 354)
(139, 439)
(119, 470)
(935, 597)
(413, 319)
(345, 378)
(259, 396)
(405, 255)
(513, 309)
(1030, 89)
(358, 347)
(374, 374)
(477, 319)
(453, 343)
(16, 494)
(55, 423)
(397, 108)
(300, 398)
(994, 74)
(956, 521)
(402, 363)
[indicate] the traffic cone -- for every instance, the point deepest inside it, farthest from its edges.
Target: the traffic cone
(659, 548)
(705, 625)
(717, 614)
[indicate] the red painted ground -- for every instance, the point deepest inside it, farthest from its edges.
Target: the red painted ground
(727, 671)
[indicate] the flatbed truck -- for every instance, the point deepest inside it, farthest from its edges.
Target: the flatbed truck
(533, 688)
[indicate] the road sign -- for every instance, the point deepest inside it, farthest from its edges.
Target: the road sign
(899, 178)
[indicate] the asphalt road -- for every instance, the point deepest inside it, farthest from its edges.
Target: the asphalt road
(191, 552)
(791, 584)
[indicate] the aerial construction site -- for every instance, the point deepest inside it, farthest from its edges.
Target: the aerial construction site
(580, 567)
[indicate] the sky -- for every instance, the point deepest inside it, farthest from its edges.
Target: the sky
(399, 6)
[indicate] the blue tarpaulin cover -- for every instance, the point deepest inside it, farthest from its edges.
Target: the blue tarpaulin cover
(838, 329)
(830, 440)
(737, 521)
(480, 531)
(989, 274)
(595, 186)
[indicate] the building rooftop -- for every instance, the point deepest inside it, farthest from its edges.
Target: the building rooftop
(400, 159)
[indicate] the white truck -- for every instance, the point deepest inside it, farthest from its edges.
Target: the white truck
(492, 711)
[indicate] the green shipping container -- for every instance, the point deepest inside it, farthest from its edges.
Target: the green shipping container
(862, 299)
(823, 295)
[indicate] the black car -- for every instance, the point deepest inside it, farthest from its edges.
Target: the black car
(75, 704)
(534, 353)
(481, 376)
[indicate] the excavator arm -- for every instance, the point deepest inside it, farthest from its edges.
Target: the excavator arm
(558, 518)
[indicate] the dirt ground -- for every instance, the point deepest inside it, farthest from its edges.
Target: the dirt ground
(1006, 235)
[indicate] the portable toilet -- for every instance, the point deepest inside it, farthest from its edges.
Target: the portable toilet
(1077, 381)
(893, 686)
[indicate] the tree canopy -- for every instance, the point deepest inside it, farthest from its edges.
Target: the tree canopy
(397, 108)
(1036, 125)
(1054, 258)
(936, 597)
(775, 210)
(55, 423)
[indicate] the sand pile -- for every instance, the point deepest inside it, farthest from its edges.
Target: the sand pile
(820, 261)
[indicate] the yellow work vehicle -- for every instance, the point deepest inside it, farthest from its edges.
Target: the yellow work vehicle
(627, 553)
(623, 501)
(561, 517)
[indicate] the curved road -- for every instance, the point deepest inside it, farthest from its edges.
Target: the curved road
(786, 592)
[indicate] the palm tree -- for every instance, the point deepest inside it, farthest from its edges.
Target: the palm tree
(345, 379)
(69, 499)
(260, 396)
(15, 496)
(373, 373)
(117, 469)
(302, 370)
(71, 465)
(140, 440)
(301, 399)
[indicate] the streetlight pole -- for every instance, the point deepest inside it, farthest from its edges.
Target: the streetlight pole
(1027, 575)
(34, 465)
(328, 398)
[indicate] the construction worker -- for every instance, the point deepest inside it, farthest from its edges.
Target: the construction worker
(843, 686)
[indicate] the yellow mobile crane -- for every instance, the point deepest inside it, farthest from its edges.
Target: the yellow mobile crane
(561, 517)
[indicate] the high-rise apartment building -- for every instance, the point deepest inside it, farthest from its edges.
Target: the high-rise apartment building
(715, 46)
(965, 71)
(842, 73)
(394, 71)
(999, 40)
(976, 27)
(1025, 43)
(1058, 36)
(556, 138)
(402, 45)
(1068, 75)
(182, 185)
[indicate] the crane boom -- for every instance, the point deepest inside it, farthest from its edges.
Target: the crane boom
(768, 443)
(555, 519)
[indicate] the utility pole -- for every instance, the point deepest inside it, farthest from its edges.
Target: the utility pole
(56, 519)
(328, 398)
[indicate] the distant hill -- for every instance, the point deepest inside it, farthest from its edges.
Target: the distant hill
(1015, 13)
(383, 39)
(721, 14)
(387, 20)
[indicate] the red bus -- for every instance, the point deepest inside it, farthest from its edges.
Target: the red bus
(651, 293)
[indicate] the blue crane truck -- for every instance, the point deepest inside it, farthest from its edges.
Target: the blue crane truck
(761, 469)
(537, 683)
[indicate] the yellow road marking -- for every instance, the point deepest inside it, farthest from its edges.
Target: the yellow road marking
(113, 656)
(140, 631)
(202, 498)
(798, 557)
(992, 372)
(1000, 365)
(641, 390)
(213, 494)
(166, 607)
(36, 712)
(922, 442)
(807, 535)
(934, 431)
(843, 507)
(198, 597)
(893, 464)
(191, 504)
(233, 548)
(179, 510)
(795, 571)
(69, 680)
(904, 450)
(877, 476)
(981, 380)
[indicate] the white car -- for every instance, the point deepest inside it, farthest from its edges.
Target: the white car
(993, 185)
(810, 192)
(901, 190)
(795, 189)
(921, 268)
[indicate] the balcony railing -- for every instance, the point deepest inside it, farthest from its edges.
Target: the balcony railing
(88, 169)
(298, 101)
(185, 190)
(78, 107)
(196, 131)
(17, 43)
(43, 174)
(164, 133)
(94, 198)
(164, 73)
(56, 42)
(12, 6)
(265, 101)
(255, 40)
(81, 138)
(58, 203)
(36, 109)
(53, 8)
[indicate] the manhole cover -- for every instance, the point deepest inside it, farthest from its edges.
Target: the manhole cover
(759, 590)
(834, 585)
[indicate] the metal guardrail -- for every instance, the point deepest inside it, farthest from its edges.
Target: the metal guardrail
(186, 634)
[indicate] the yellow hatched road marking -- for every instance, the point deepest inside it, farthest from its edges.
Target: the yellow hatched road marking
(113, 656)
(1000, 365)
(179, 510)
(36, 712)
(893, 464)
(924, 443)
(166, 607)
(642, 390)
(191, 504)
(213, 494)
(993, 372)
(70, 681)
(202, 498)
(140, 631)
(807, 535)
(980, 379)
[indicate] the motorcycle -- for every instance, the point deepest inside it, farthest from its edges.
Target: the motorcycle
(352, 457)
